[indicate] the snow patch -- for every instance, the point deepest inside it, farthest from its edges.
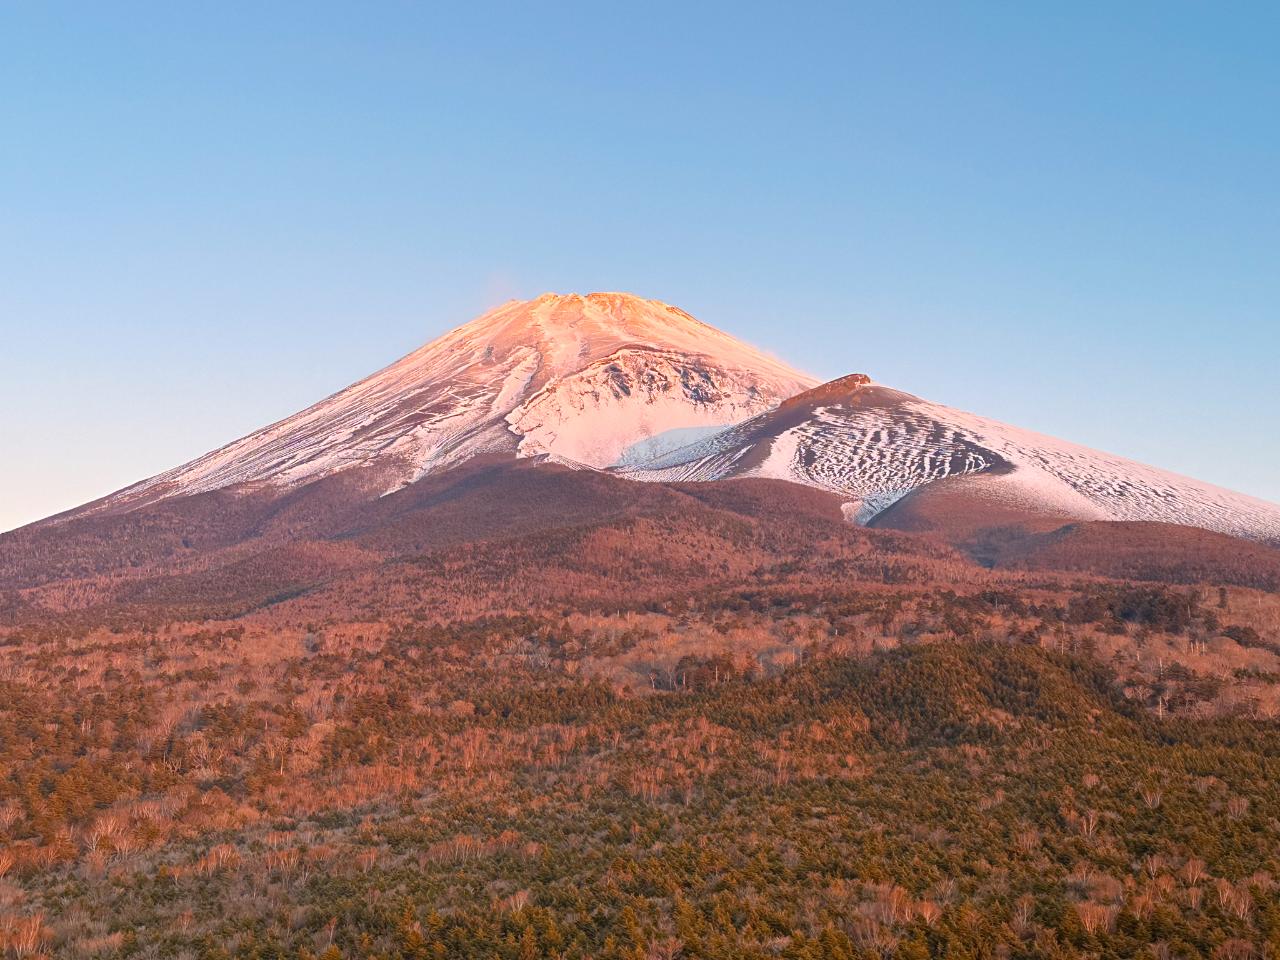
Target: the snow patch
(596, 415)
(660, 444)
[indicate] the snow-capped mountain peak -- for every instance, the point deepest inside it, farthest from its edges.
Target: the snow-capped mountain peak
(581, 379)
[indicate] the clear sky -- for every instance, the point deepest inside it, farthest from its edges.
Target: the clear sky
(1066, 216)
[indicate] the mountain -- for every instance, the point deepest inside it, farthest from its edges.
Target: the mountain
(915, 465)
(611, 381)
(587, 380)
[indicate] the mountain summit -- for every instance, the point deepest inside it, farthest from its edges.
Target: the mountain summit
(586, 380)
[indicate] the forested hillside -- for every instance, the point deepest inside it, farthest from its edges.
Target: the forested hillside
(703, 721)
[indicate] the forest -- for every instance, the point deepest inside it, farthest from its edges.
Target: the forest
(676, 727)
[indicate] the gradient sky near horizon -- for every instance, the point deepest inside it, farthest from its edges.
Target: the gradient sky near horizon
(211, 215)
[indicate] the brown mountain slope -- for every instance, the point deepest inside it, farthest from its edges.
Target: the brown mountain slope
(1145, 551)
(468, 532)
(963, 512)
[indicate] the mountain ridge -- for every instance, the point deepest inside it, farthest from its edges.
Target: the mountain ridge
(879, 447)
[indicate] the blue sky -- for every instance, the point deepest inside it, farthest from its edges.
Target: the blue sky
(1064, 216)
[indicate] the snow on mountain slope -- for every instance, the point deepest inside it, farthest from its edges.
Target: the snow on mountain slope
(876, 445)
(596, 415)
(580, 379)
